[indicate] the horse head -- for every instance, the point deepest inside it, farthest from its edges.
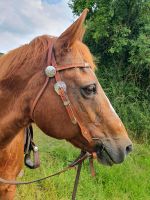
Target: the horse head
(104, 132)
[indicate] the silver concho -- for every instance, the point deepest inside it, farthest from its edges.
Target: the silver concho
(50, 71)
(59, 85)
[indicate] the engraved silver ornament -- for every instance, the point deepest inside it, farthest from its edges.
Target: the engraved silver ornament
(50, 71)
(60, 85)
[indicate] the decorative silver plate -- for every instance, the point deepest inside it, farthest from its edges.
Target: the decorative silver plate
(59, 85)
(50, 71)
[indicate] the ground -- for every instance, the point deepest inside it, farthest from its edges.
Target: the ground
(128, 181)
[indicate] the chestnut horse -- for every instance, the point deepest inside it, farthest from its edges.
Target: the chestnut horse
(11, 163)
(22, 75)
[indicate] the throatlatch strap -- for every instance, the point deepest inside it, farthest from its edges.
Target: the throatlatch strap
(31, 147)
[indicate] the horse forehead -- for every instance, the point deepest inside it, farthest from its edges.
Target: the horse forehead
(80, 76)
(78, 53)
(72, 58)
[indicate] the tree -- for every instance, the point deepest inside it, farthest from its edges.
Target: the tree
(118, 33)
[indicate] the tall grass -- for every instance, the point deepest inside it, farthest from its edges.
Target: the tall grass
(128, 181)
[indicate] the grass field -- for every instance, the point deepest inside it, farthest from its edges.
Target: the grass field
(128, 181)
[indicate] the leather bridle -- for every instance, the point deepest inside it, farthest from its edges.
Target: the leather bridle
(60, 89)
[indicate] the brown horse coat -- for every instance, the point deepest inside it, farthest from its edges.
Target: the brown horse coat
(22, 75)
(11, 163)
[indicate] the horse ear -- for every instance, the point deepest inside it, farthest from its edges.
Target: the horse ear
(74, 32)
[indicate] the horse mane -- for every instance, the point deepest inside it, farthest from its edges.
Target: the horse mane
(25, 56)
(35, 54)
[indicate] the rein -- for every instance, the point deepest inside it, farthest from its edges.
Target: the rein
(77, 162)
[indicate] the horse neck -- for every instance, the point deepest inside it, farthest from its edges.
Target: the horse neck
(17, 92)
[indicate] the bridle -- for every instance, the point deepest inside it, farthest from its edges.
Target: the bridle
(53, 71)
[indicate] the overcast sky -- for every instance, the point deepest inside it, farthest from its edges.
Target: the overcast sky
(22, 20)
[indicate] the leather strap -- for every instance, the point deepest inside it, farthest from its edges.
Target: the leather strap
(50, 45)
(76, 181)
(38, 97)
(92, 166)
(80, 159)
(78, 162)
(30, 147)
(78, 65)
(65, 100)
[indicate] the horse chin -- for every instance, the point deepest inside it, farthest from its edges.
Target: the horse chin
(104, 158)
(104, 161)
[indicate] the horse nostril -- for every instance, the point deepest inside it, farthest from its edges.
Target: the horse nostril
(129, 149)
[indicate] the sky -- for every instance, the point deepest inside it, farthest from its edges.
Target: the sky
(23, 20)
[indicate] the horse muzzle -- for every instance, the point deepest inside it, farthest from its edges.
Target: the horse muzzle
(113, 151)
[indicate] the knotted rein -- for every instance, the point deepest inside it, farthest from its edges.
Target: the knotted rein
(53, 71)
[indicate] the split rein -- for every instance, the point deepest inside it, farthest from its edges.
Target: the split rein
(76, 163)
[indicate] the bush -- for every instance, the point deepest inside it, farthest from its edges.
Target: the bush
(127, 100)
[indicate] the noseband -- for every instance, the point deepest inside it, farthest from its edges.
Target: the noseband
(53, 71)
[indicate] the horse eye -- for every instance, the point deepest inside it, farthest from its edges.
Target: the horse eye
(88, 91)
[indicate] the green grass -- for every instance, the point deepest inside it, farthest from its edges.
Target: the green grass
(128, 181)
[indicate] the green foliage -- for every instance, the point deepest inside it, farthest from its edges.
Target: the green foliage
(118, 34)
(115, 183)
(126, 98)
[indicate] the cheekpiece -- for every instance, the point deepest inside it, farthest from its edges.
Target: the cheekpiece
(50, 71)
(60, 85)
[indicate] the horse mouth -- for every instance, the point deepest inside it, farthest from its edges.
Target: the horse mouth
(104, 157)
